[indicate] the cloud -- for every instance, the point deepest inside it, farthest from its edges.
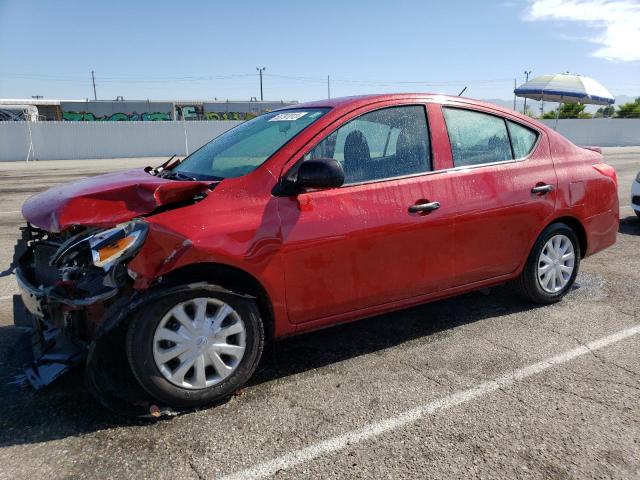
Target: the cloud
(616, 23)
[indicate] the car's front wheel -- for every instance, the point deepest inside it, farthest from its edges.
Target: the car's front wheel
(552, 266)
(195, 346)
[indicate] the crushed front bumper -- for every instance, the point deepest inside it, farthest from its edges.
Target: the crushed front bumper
(51, 350)
(58, 319)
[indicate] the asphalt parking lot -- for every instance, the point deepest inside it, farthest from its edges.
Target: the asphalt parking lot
(481, 386)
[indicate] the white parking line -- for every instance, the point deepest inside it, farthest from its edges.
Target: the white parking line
(375, 429)
(6, 297)
(10, 212)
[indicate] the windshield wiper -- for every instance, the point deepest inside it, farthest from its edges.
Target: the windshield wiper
(160, 168)
(171, 175)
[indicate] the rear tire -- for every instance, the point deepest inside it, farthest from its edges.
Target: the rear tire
(552, 265)
(195, 346)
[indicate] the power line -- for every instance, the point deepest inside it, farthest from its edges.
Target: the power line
(129, 78)
(134, 78)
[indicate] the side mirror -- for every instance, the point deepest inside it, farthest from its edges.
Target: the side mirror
(320, 173)
(313, 173)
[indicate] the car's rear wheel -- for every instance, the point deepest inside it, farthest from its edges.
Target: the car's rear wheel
(552, 266)
(194, 347)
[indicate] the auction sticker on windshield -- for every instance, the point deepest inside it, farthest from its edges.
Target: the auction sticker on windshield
(288, 117)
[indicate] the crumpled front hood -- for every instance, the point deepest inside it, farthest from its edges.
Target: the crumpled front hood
(106, 200)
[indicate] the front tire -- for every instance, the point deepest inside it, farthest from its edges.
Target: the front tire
(195, 346)
(552, 266)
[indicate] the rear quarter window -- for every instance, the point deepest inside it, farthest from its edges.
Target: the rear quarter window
(523, 139)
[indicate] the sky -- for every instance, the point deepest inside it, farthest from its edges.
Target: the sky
(205, 50)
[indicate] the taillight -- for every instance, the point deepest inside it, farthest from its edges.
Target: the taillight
(607, 171)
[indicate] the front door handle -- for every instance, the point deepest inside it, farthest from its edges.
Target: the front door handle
(424, 207)
(542, 189)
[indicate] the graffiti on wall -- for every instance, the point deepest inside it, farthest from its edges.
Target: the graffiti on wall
(116, 117)
(10, 115)
(185, 112)
(197, 112)
(229, 115)
(189, 112)
(152, 111)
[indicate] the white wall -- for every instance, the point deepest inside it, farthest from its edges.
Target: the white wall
(602, 132)
(82, 140)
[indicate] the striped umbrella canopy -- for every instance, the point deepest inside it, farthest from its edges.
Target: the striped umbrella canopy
(565, 88)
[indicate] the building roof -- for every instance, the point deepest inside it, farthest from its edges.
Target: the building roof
(50, 101)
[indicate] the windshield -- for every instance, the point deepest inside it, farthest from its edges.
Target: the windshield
(245, 147)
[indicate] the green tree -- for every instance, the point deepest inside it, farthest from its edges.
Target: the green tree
(629, 110)
(569, 110)
(605, 112)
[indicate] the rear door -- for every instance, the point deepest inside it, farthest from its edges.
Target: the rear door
(505, 189)
(360, 246)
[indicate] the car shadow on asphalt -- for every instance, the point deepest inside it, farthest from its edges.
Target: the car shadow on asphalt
(66, 408)
(630, 225)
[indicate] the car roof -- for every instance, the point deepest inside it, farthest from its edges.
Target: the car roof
(349, 103)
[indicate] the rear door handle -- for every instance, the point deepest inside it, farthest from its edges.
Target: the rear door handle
(424, 207)
(541, 189)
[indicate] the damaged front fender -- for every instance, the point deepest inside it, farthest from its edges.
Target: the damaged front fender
(161, 252)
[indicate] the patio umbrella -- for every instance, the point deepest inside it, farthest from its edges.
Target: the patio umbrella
(565, 88)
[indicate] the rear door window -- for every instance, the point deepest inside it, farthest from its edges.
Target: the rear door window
(523, 139)
(477, 138)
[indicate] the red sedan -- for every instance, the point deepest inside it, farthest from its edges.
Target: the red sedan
(301, 218)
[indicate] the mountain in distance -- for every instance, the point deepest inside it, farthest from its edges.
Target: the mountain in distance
(535, 106)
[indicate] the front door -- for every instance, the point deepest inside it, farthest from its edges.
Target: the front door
(380, 237)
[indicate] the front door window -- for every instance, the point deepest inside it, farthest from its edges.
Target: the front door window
(387, 143)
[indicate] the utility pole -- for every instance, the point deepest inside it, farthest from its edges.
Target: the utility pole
(527, 73)
(93, 79)
(328, 87)
(261, 70)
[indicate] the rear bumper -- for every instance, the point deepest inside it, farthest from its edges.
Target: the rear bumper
(602, 231)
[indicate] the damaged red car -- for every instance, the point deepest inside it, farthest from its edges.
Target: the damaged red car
(302, 218)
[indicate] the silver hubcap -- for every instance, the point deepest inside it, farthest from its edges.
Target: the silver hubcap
(199, 343)
(556, 264)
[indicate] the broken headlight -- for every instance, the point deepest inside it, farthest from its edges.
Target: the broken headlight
(103, 249)
(124, 240)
